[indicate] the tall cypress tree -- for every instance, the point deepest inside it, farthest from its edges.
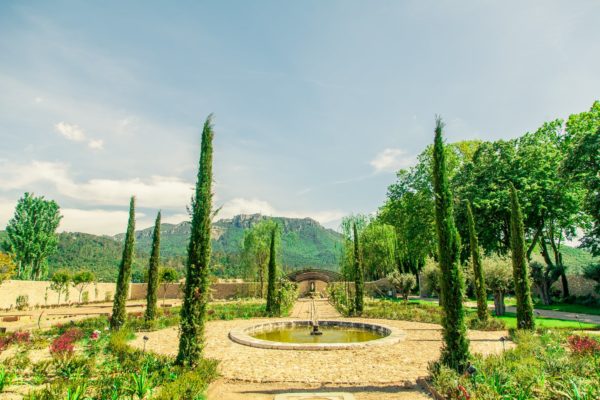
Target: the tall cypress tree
(455, 353)
(195, 297)
(271, 296)
(119, 313)
(151, 295)
(480, 291)
(519, 260)
(359, 280)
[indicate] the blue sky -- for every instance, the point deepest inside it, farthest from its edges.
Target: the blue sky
(316, 103)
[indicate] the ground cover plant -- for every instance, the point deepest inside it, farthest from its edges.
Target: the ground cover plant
(544, 365)
(85, 360)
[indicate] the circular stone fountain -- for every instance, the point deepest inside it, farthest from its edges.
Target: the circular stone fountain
(299, 335)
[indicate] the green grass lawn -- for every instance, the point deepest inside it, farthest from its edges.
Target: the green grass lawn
(510, 319)
(571, 308)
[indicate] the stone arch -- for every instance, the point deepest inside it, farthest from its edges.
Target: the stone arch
(312, 280)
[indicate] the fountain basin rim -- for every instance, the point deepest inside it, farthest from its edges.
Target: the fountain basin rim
(244, 335)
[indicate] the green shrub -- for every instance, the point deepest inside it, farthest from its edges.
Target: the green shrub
(22, 302)
(190, 385)
(540, 367)
(403, 283)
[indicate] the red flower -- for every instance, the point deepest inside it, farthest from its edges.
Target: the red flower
(63, 345)
(583, 345)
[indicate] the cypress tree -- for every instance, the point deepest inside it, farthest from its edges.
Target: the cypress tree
(119, 313)
(359, 280)
(151, 295)
(195, 297)
(480, 291)
(455, 353)
(271, 296)
(519, 262)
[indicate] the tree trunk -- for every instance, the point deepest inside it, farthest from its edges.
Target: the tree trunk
(499, 307)
(565, 285)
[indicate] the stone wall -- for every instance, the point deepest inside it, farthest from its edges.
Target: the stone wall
(304, 287)
(578, 286)
(40, 294)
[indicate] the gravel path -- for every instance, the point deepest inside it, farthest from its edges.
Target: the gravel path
(593, 319)
(397, 364)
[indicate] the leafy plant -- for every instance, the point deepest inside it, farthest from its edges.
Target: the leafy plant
(5, 378)
(22, 302)
(140, 384)
(403, 283)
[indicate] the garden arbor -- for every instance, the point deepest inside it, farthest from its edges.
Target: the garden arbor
(313, 279)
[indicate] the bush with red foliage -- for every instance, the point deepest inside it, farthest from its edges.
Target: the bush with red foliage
(583, 345)
(21, 337)
(18, 337)
(64, 345)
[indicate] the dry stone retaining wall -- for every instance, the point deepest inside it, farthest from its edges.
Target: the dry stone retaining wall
(40, 294)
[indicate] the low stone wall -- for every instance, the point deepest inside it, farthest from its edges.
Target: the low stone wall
(578, 286)
(39, 293)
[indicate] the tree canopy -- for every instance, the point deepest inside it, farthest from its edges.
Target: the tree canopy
(32, 235)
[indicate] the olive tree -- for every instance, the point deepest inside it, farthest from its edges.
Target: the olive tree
(402, 282)
(498, 280)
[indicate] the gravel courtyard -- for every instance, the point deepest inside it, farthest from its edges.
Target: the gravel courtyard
(399, 364)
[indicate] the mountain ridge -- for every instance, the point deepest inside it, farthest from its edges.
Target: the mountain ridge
(306, 243)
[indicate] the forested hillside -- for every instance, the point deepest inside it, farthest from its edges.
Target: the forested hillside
(305, 244)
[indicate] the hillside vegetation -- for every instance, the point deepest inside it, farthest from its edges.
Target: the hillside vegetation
(306, 244)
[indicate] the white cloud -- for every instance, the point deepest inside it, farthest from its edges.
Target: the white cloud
(97, 222)
(391, 160)
(70, 131)
(156, 191)
(75, 133)
(7, 210)
(96, 144)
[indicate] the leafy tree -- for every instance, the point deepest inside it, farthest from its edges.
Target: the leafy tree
(519, 261)
(271, 295)
(378, 246)
(499, 280)
(168, 276)
(359, 281)
(347, 267)
(431, 278)
(256, 250)
(455, 353)
(7, 267)
(410, 205)
(59, 282)
(479, 280)
(402, 282)
(543, 277)
(32, 235)
(153, 278)
(195, 300)
(119, 313)
(81, 279)
(582, 165)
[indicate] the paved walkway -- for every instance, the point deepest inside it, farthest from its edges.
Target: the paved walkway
(569, 316)
(325, 310)
(593, 319)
